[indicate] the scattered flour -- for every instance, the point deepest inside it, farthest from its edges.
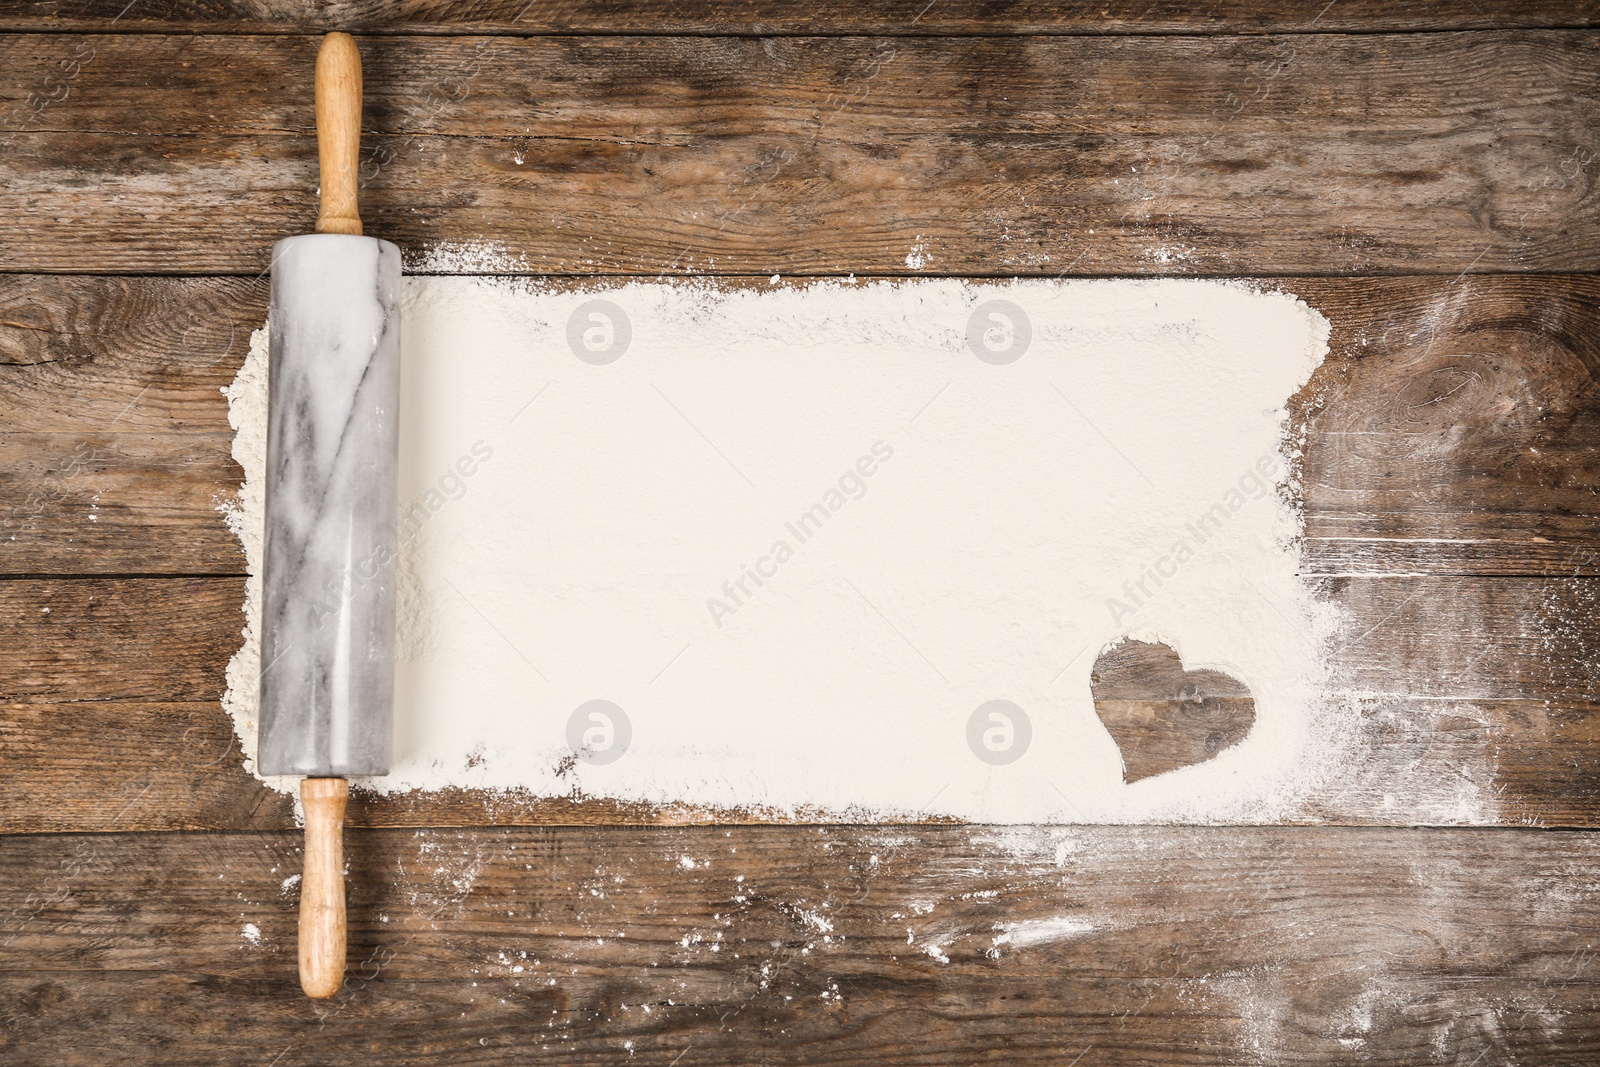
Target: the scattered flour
(466, 257)
(919, 257)
(1041, 931)
(605, 495)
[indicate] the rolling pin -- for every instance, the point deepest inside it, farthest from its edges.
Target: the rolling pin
(328, 604)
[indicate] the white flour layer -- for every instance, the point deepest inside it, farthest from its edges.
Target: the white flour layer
(630, 531)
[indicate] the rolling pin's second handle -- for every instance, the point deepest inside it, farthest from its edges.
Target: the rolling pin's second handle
(322, 923)
(339, 132)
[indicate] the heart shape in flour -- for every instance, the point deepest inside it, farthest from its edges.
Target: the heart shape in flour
(1161, 716)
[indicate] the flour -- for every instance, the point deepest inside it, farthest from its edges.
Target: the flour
(1041, 931)
(775, 549)
(465, 257)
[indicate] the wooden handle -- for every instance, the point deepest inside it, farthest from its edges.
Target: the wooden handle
(322, 887)
(339, 132)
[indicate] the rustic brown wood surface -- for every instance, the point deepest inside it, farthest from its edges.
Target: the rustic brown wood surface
(1232, 155)
(900, 17)
(1448, 477)
(831, 945)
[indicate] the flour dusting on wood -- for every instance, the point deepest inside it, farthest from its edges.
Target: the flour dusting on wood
(784, 549)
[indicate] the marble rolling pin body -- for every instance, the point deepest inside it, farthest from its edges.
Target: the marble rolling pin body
(327, 651)
(328, 604)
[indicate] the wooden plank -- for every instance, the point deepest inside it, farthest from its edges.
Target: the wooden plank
(116, 450)
(848, 945)
(1407, 153)
(1467, 638)
(1434, 760)
(745, 17)
(135, 503)
(169, 766)
(1452, 429)
(1472, 702)
(104, 355)
(118, 639)
(178, 766)
(671, 91)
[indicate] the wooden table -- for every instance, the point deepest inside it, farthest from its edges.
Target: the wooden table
(1425, 174)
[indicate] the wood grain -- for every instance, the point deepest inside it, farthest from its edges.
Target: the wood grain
(1451, 424)
(130, 503)
(1469, 700)
(745, 17)
(103, 355)
(161, 639)
(1404, 153)
(1452, 430)
(161, 766)
(1163, 716)
(793, 945)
